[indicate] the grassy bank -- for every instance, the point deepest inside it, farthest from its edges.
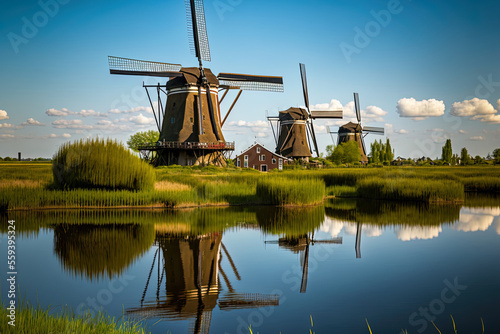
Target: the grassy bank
(26, 186)
(33, 320)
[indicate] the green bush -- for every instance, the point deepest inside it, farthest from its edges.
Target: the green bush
(100, 164)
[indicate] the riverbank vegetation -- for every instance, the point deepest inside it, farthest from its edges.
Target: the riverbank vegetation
(30, 186)
(31, 319)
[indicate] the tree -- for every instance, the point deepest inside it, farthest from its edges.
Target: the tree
(447, 152)
(351, 152)
(389, 153)
(142, 138)
(496, 155)
(464, 157)
(338, 154)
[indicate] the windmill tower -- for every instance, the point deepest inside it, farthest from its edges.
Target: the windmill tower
(293, 128)
(190, 122)
(355, 132)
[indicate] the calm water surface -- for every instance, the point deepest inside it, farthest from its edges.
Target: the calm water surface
(220, 270)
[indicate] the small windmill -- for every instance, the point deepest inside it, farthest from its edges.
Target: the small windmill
(293, 128)
(355, 132)
(190, 122)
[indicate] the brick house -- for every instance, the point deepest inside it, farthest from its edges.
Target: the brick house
(260, 158)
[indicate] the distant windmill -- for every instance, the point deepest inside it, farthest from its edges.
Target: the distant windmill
(354, 131)
(190, 122)
(295, 128)
(301, 244)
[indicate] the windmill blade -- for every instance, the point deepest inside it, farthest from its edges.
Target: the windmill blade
(330, 130)
(363, 143)
(313, 135)
(128, 66)
(339, 113)
(356, 106)
(250, 82)
(337, 240)
(197, 29)
(374, 130)
(212, 113)
(304, 85)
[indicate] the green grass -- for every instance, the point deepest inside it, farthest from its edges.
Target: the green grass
(34, 320)
(24, 186)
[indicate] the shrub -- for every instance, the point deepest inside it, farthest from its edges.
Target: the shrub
(100, 164)
(284, 191)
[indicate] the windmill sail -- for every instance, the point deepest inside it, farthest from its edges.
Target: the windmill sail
(356, 105)
(197, 29)
(372, 129)
(250, 82)
(128, 66)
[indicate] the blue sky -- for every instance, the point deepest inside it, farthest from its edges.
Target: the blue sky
(433, 62)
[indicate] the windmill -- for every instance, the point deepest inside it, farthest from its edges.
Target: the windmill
(190, 121)
(293, 128)
(189, 274)
(301, 245)
(354, 131)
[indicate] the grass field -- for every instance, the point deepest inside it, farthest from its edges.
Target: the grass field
(27, 186)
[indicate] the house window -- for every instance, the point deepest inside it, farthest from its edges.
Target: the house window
(263, 157)
(263, 168)
(258, 149)
(238, 163)
(245, 161)
(274, 160)
(246, 157)
(280, 164)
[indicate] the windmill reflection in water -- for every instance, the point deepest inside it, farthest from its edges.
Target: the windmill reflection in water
(189, 267)
(301, 245)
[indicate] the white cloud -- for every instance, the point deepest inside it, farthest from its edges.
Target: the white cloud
(149, 110)
(472, 219)
(6, 136)
(401, 131)
(333, 105)
(3, 114)
(6, 125)
(473, 108)
(420, 110)
(58, 113)
(477, 138)
(417, 232)
(66, 135)
(32, 122)
(462, 131)
(90, 112)
(52, 135)
(491, 118)
(373, 113)
(70, 124)
(141, 119)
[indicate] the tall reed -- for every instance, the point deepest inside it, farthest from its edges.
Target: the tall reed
(285, 191)
(100, 164)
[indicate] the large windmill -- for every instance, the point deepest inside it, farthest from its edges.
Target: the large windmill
(190, 121)
(354, 131)
(295, 128)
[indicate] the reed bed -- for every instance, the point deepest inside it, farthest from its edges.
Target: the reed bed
(414, 189)
(100, 164)
(482, 184)
(34, 320)
(285, 191)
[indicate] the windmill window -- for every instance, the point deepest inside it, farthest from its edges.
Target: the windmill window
(191, 119)
(173, 105)
(203, 117)
(172, 120)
